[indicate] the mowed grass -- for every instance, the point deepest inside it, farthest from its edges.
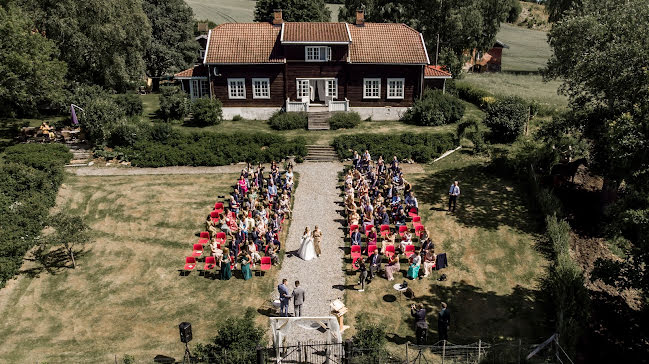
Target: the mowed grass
(528, 50)
(527, 86)
(127, 296)
(494, 263)
(235, 11)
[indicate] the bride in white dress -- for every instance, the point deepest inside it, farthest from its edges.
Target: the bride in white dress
(307, 250)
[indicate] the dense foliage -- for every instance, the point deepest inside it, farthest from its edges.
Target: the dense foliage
(419, 147)
(506, 118)
(172, 46)
(99, 117)
(293, 10)
(238, 336)
(29, 180)
(131, 104)
(102, 42)
(32, 77)
(176, 148)
(207, 112)
(609, 97)
(344, 120)
(434, 109)
(461, 24)
(174, 104)
(515, 10)
(288, 120)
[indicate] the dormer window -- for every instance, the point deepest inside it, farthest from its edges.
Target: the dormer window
(317, 54)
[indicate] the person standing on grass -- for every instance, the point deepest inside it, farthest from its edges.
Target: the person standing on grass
(421, 326)
(362, 270)
(284, 297)
(453, 193)
(443, 323)
(298, 299)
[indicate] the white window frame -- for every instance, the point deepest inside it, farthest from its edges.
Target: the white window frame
(397, 93)
(230, 89)
(261, 92)
(365, 89)
(195, 88)
(323, 54)
(334, 88)
(307, 89)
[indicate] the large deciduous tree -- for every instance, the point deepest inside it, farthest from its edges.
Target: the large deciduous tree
(601, 55)
(102, 41)
(557, 8)
(32, 76)
(293, 10)
(172, 45)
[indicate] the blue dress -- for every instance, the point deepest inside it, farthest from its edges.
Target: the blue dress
(245, 268)
(413, 269)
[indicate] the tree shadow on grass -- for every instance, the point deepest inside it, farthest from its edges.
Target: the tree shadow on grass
(53, 262)
(486, 200)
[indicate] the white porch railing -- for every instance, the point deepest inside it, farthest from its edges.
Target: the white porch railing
(341, 105)
(296, 106)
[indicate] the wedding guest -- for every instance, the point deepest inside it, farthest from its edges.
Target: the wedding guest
(392, 267)
(429, 262)
(226, 271)
(317, 239)
(413, 269)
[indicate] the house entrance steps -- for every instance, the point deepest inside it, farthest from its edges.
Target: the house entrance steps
(320, 153)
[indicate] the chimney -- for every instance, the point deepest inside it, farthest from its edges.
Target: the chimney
(277, 16)
(360, 17)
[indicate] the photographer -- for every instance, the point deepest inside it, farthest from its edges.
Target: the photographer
(421, 326)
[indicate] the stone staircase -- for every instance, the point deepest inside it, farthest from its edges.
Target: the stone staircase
(81, 154)
(320, 153)
(318, 120)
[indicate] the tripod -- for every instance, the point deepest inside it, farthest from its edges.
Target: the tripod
(187, 358)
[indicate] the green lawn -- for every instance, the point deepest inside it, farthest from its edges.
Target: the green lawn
(528, 49)
(494, 263)
(126, 296)
(235, 11)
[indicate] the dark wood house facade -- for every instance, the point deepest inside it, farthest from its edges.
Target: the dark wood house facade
(258, 68)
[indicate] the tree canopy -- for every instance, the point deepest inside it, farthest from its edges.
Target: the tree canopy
(172, 46)
(32, 76)
(293, 10)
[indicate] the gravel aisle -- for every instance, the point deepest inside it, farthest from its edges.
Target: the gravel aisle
(315, 203)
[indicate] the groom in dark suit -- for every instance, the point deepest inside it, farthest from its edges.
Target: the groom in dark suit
(298, 299)
(284, 298)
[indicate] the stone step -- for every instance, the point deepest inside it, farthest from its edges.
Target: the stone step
(75, 165)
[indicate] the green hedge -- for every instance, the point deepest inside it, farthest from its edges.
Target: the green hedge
(344, 120)
(419, 147)
(506, 118)
(288, 120)
(30, 176)
(207, 112)
(177, 148)
(435, 108)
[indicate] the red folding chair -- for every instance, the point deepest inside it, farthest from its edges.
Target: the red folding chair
(416, 220)
(385, 230)
(413, 212)
(389, 251)
(205, 235)
(203, 241)
(410, 250)
(198, 251)
(368, 228)
(214, 215)
(352, 228)
(220, 237)
(356, 251)
(354, 267)
(218, 207)
(371, 249)
(402, 229)
(265, 264)
(210, 263)
(419, 229)
(190, 264)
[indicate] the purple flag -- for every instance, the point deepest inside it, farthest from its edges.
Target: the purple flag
(74, 116)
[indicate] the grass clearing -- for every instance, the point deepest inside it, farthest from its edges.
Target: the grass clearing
(235, 11)
(528, 49)
(491, 244)
(127, 295)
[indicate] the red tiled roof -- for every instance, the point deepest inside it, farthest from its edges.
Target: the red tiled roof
(244, 43)
(386, 43)
(436, 72)
(196, 71)
(315, 32)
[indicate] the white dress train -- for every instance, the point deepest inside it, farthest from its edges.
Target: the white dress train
(307, 250)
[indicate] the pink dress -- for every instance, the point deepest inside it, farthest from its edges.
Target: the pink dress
(243, 185)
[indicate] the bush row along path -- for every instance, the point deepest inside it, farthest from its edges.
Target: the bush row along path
(322, 278)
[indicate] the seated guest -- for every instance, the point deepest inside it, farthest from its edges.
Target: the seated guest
(372, 237)
(272, 190)
(234, 205)
(429, 262)
(210, 226)
(392, 267)
(385, 218)
(400, 217)
(394, 165)
(413, 269)
(405, 240)
(411, 201)
(388, 240)
(356, 237)
(426, 245)
(253, 252)
(354, 218)
(217, 253)
(272, 253)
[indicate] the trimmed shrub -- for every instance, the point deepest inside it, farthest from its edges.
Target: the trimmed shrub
(506, 118)
(174, 103)
(419, 147)
(281, 120)
(433, 109)
(237, 118)
(127, 133)
(344, 120)
(99, 118)
(237, 336)
(207, 112)
(131, 104)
